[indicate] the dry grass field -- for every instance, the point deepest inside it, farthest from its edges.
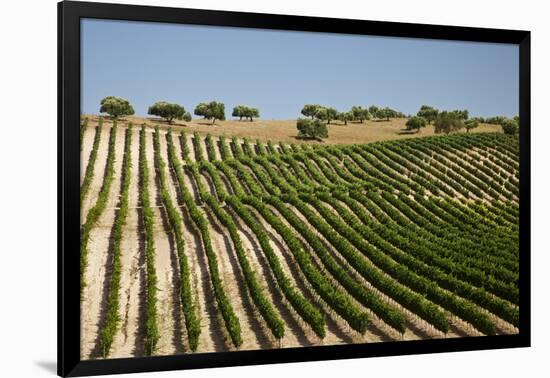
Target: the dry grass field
(285, 130)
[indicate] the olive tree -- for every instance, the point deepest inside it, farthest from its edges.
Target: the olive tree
(416, 123)
(310, 110)
(461, 114)
(167, 110)
(250, 113)
(360, 114)
(326, 114)
(212, 110)
(510, 126)
(373, 109)
(447, 122)
(385, 113)
(238, 111)
(116, 107)
(497, 120)
(345, 117)
(311, 128)
(428, 113)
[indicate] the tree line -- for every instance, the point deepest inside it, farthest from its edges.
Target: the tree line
(318, 116)
(118, 107)
(447, 121)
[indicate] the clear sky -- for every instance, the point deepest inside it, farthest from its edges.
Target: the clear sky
(280, 71)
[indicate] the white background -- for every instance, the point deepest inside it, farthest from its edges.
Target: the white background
(28, 155)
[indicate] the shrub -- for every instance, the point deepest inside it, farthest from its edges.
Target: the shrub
(308, 128)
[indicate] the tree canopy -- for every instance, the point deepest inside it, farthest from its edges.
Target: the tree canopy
(310, 110)
(461, 114)
(243, 111)
(326, 114)
(510, 126)
(373, 109)
(212, 110)
(428, 113)
(311, 128)
(496, 120)
(359, 113)
(116, 107)
(167, 110)
(416, 123)
(447, 122)
(345, 117)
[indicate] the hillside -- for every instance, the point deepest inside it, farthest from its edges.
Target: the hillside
(200, 243)
(285, 130)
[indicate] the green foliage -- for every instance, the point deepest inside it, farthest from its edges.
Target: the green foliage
(305, 309)
(373, 110)
(211, 110)
(310, 110)
(308, 128)
(90, 167)
(345, 117)
(415, 123)
(333, 296)
(197, 146)
(187, 117)
(210, 147)
(224, 148)
(447, 122)
(478, 119)
(112, 319)
(510, 126)
(231, 320)
(116, 107)
(326, 114)
(152, 334)
(461, 114)
(237, 148)
(497, 120)
(95, 212)
(360, 114)
(386, 113)
(190, 311)
(166, 110)
(243, 111)
(429, 113)
(184, 146)
(264, 306)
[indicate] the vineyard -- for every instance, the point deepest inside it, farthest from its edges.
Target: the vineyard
(202, 243)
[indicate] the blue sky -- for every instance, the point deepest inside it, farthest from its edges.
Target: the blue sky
(279, 71)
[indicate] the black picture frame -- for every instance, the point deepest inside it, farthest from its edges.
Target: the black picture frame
(69, 15)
